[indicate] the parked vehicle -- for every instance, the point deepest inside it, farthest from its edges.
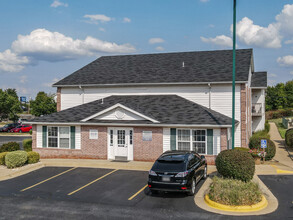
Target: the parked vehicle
(177, 171)
(22, 128)
(8, 127)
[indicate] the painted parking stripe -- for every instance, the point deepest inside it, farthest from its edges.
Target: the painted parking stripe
(69, 194)
(48, 179)
(139, 191)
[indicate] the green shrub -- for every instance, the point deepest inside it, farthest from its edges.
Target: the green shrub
(235, 164)
(27, 144)
(2, 158)
(33, 157)
(10, 146)
(255, 143)
(267, 126)
(30, 132)
(244, 149)
(234, 192)
(15, 159)
(289, 137)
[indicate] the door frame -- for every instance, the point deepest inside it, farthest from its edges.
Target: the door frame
(111, 147)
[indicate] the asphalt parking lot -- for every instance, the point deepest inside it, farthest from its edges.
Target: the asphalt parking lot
(92, 185)
(79, 193)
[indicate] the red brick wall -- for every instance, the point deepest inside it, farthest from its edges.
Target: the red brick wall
(147, 150)
(224, 138)
(34, 136)
(58, 99)
(243, 97)
(90, 148)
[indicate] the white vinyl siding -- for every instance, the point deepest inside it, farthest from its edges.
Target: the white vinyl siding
(77, 137)
(39, 137)
(166, 139)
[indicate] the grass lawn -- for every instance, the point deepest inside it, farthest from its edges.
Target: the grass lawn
(234, 192)
(280, 126)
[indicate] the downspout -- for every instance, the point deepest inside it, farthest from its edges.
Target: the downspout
(210, 95)
(82, 94)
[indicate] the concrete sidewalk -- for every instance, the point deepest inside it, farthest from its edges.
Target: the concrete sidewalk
(282, 155)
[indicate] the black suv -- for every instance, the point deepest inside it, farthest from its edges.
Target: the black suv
(177, 171)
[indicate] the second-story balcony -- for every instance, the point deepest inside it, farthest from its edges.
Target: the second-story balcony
(256, 109)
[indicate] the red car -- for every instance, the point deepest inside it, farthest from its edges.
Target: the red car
(21, 128)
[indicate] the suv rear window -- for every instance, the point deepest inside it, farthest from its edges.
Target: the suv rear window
(171, 163)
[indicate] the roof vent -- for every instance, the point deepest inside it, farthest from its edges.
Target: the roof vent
(183, 64)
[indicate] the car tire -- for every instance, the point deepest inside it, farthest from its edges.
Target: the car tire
(20, 131)
(192, 189)
(154, 192)
(205, 173)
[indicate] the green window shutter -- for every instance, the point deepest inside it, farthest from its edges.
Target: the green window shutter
(210, 141)
(173, 138)
(72, 137)
(44, 136)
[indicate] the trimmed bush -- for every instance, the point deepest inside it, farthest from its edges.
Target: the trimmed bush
(33, 157)
(27, 144)
(289, 137)
(30, 132)
(235, 164)
(15, 159)
(255, 143)
(2, 158)
(10, 146)
(267, 126)
(244, 149)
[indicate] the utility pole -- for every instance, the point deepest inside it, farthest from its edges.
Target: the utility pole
(234, 70)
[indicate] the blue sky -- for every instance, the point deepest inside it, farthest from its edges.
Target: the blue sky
(44, 41)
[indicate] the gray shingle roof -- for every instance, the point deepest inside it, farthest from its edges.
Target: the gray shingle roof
(201, 66)
(167, 109)
(259, 79)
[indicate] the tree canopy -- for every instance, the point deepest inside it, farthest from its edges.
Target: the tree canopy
(279, 96)
(9, 104)
(44, 104)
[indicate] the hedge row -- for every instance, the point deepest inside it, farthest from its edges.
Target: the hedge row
(18, 158)
(289, 137)
(279, 113)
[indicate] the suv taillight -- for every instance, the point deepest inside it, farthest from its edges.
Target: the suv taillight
(182, 174)
(152, 173)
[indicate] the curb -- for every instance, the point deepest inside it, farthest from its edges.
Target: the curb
(245, 208)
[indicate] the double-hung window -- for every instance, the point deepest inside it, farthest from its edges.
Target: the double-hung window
(59, 137)
(191, 139)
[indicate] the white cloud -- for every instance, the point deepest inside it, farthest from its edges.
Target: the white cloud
(211, 26)
(285, 18)
(204, 0)
(57, 3)
(285, 60)
(49, 84)
(289, 41)
(156, 40)
(159, 48)
(220, 40)
(23, 79)
(97, 18)
(291, 72)
(272, 75)
(42, 44)
(255, 35)
(11, 62)
(126, 20)
(102, 29)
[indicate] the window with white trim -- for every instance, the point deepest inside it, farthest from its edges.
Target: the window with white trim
(192, 139)
(93, 134)
(59, 137)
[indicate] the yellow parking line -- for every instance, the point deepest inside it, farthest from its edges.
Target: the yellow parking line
(130, 198)
(69, 194)
(47, 179)
(282, 171)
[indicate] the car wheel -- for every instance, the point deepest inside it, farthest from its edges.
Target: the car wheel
(20, 131)
(205, 173)
(153, 192)
(192, 190)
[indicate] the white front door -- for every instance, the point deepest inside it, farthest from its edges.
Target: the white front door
(120, 143)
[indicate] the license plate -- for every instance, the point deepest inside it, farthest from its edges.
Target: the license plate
(166, 179)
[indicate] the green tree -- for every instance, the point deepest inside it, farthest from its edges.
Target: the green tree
(44, 104)
(289, 93)
(9, 104)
